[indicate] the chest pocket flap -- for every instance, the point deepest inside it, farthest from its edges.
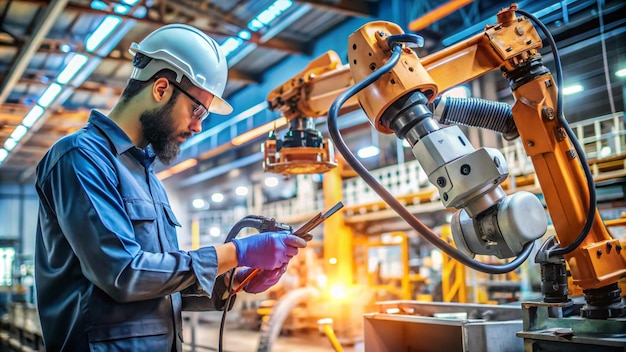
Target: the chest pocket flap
(140, 210)
(170, 215)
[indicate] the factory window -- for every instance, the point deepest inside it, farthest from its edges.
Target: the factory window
(7, 255)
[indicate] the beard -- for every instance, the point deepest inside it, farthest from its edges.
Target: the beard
(160, 132)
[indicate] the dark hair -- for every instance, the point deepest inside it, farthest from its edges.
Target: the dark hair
(135, 86)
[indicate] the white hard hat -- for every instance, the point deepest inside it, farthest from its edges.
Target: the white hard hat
(188, 52)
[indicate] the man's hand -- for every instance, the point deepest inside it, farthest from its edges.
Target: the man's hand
(268, 250)
(262, 281)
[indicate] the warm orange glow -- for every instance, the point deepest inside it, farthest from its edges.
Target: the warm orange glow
(437, 14)
(259, 131)
(180, 167)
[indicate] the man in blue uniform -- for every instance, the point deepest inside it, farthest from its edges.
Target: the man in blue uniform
(108, 270)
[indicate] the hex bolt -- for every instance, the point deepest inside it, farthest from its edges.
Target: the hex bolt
(599, 252)
(618, 248)
(519, 30)
(547, 112)
(608, 247)
(445, 196)
(441, 181)
(465, 169)
(530, 143)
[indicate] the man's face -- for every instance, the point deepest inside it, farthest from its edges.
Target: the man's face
(160, 130)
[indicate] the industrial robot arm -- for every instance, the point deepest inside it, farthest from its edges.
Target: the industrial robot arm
(394, 87)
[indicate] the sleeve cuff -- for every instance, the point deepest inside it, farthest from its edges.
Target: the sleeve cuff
(204, 266)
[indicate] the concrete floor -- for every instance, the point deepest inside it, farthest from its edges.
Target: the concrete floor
(240, 339)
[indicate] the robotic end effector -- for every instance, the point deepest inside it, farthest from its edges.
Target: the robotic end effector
(488, 221)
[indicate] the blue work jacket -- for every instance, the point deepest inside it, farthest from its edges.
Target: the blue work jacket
(108, 271)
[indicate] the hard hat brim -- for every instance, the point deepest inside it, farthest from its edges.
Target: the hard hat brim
(220, 106)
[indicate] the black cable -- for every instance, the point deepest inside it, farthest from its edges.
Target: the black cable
(253, 221)
(414, 222)
(581, 155)
(231, 280)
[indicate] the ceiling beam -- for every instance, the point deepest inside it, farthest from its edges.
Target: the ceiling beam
(276, 44)
(345, 7)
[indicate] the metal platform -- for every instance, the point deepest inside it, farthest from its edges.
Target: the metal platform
(428, 326)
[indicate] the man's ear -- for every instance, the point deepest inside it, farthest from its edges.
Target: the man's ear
(159, 88)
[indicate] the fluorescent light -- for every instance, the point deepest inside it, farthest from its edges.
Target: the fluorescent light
(130, 2)
(75, 64)
(33, 115)
(244, 34)
(215, 231)
(230, 44)
(576, 88)
(621, 73)
(49, 95)
(9, 144)
(3, 155)
(121, 9)
(99, 5)
(271, 181)
(241, 191)
(269, 14)
(66, 48)
(108, 25)
(197, 203)
(217, 197)
(19, 132)
(368, 152)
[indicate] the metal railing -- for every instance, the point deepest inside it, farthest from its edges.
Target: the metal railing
(603, 137)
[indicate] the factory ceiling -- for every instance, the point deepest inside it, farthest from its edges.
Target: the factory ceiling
(40, 102)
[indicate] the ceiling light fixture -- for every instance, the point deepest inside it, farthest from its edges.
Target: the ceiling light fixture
(271, 181)
(217, 197)
(48, 96)
(230, 44)
(573, 89)
(19, 132)
(241, 191)
(33, 115)
(75, 64)
(269, 14)
(9, 144)
(368, 152)
(106, 27)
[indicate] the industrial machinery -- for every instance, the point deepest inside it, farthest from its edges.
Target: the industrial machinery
(396, 89)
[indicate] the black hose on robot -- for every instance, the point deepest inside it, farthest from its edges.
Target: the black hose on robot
(404, 213)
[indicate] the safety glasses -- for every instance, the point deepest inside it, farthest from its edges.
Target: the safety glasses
(200, 112)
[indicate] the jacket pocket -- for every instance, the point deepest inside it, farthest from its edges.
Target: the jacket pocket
(171, 226)
(143, 217)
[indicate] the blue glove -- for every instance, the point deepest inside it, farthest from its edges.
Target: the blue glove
(268, 250)
(262, 281)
